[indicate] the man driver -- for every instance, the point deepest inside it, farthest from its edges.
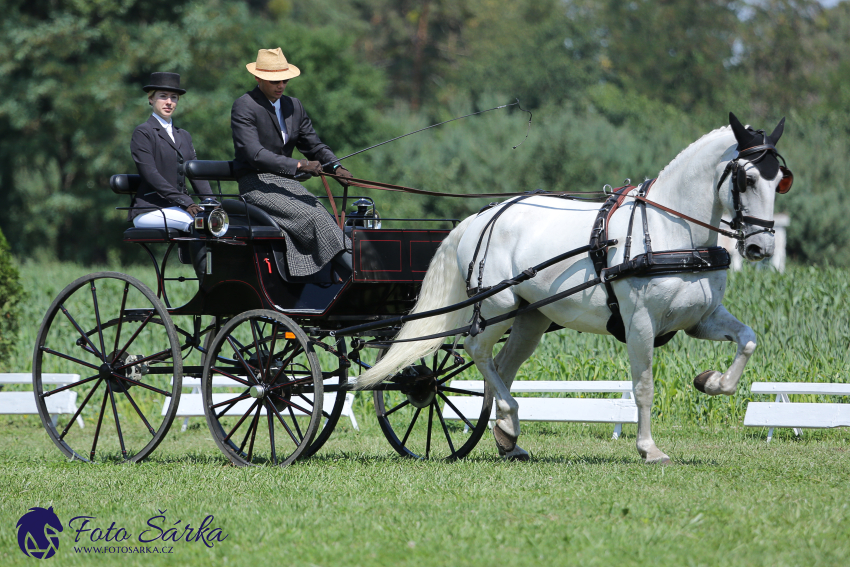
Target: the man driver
(267, 126)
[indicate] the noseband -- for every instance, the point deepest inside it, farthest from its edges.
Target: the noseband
(739, 185)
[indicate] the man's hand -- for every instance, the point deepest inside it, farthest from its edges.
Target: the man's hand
(194, 210)
(345, 174)
(311, 167)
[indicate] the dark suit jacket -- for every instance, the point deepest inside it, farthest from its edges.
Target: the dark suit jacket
(257, 139)
(160, 163)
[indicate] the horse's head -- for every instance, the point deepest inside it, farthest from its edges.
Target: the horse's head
(748, 186)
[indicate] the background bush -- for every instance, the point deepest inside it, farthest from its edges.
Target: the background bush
(11, 296)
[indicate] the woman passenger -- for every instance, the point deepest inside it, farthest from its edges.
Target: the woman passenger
(160, 151)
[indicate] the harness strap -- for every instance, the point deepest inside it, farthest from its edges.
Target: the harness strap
(725, 232)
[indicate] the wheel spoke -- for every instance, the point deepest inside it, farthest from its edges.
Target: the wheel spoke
(306, 399)
(142, 384)
(241, 360)
(157, 355)
(232, 401)
(239, 423)
(257, 346)
(455, 373)
(271, 349)
(296, 406)
(121, 317)
(97, 318)
(254, 426)
(296, 351)
(134, 335)
(138, 411)
(458, 391)
(99, 422)
(117, 421)
(271, 433)
(457, 411)
(283, 423)
(398, 407)
(434, 404)
(231, 376)
(410, 428)
(66, 386)
(82, 333)
(295, 423)
(79, 410)
(69, 357)
(430, 426)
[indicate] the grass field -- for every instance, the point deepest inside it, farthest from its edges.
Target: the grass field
(729, 498)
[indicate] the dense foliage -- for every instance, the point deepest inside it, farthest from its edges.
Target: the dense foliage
(11, 296)
(617, 90)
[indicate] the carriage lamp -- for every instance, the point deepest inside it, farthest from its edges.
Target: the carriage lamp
(213, 218)
(364, 215)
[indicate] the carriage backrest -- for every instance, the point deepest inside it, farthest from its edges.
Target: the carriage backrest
(125, 183)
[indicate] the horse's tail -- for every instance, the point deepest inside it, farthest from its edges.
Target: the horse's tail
(443, 285)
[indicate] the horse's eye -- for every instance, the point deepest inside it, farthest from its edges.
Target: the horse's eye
(751, 182)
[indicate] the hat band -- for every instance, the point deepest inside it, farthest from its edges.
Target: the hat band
(271, 70)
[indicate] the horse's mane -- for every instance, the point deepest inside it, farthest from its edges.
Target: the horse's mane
(692, 149)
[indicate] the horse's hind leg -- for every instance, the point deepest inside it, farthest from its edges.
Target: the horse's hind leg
(524, 338)
(723, 326)
(506, 429)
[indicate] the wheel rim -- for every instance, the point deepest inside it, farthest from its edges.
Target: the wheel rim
(262, 389)
(411, 409)
(111, 330)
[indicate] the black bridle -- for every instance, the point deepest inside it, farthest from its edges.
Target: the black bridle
(739, 185)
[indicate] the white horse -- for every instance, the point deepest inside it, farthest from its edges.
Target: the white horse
(696, 183)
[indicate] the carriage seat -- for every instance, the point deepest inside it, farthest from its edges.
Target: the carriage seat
(262, 225)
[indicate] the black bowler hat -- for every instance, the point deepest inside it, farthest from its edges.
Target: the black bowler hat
(164, 82)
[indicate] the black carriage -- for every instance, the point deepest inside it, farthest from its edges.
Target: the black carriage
(273, 373)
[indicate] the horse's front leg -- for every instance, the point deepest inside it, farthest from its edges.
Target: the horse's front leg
(723, 326)
(639, 340)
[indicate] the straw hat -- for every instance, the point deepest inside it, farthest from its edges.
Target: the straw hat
(271, 65)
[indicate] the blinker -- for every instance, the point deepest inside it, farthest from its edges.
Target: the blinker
(740, 179)
(786, 182)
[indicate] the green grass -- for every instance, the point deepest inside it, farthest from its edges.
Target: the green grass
(729, 498)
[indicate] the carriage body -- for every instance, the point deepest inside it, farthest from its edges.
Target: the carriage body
(270, 362)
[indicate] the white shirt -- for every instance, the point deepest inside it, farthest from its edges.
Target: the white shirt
(276, 105)
(166, 125)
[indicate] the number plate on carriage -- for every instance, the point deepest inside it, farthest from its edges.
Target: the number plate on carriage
(394, 255)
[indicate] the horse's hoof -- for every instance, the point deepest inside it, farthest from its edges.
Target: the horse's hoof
(699, 381)
(662, 460)
(504, 440)
(521, 457)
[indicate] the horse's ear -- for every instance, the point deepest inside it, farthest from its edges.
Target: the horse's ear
(740, 131)
(777, 132)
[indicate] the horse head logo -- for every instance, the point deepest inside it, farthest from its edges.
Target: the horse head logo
(38, 533)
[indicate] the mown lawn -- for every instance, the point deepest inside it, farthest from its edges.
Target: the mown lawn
(729, 499)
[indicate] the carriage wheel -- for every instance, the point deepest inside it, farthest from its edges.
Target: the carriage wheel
(331, 412)
(412, 409)
(111, 330)
(272, 406)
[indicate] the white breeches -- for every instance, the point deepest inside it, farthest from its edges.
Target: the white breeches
(174, 216)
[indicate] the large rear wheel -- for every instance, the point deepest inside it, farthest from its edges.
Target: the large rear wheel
(424, 413)
(111, 331)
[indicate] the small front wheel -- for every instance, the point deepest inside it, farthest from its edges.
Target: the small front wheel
(262, 389)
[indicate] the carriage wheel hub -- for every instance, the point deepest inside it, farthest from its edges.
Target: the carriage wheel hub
(422, 393)
(258, 391)
(105, 371)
